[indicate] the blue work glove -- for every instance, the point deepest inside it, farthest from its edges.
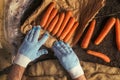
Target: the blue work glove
(29, 50)
(68, 59)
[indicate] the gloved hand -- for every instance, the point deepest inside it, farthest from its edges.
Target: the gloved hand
(68, 59)
(29, 50)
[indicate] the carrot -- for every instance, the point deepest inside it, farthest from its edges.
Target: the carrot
(117, 28)
(47, 14)
(69, 35)
(100, 55)
(105, 30)
(68, 14)
(88, 36)
(53, 23)
(68, 27)
(57, 26)
(52, 15)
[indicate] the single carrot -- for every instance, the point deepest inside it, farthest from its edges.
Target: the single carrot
(88, 36)
(71, 32)
(68, 27)
(57, 26)
(52, 15)
(68, 14)
(117, 28)
(53, 23)
(47, 14)
(100, 55)
(105, 30)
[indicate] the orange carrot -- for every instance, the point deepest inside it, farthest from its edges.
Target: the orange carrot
(105, 30)
(67, 28)
(69, 35)
(52, 15)
(47, 14)
(68, 14)
(117, 28)
(88, 35)
(57, 26)
(53, 23)
(100, 55)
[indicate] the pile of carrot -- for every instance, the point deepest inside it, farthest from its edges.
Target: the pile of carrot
(110, 23)
(106, 29)
(61, 25)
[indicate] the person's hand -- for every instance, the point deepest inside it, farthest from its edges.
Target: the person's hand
(68, 59)
(29, 50)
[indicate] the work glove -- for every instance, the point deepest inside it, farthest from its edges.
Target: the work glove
(29, 50)
(68, 59)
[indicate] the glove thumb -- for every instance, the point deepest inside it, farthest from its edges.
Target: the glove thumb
(42, 52)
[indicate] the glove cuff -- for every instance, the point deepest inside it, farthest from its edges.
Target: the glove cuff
(76, 72)
(21, 60)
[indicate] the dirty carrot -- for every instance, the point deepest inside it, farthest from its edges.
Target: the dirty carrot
(53, 23)
(68, 14)
(110, 23)
(100, 55)
(47, 14)
(57, 26)
(68, 27)
(52, 15)
(88, 36)
(71, 32)
(117, 28)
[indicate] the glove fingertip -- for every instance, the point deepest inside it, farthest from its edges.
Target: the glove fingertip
(43, 39)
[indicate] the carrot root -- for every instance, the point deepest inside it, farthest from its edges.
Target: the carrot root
(57, 26)
(47, 14)
(69, 35)
(117, 28)
(67, 28)
(100, 55)
(68, 14)
(53, 23)
(51, 17)
(105, 30)
(88, 36)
